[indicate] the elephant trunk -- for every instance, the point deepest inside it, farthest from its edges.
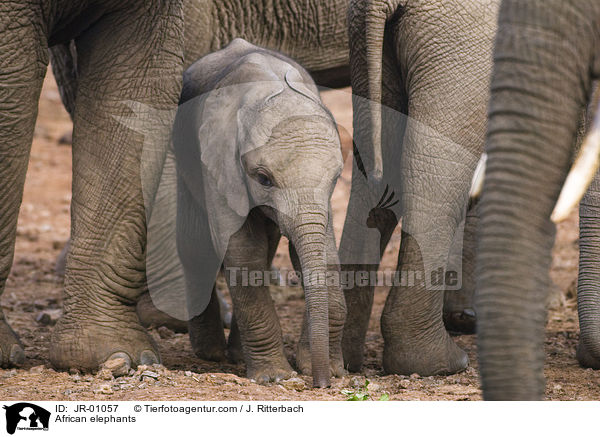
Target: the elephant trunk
(367, 26)
(539, 86)
(588, 288)
(308, 235)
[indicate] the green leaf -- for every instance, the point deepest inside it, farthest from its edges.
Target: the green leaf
(384, 397)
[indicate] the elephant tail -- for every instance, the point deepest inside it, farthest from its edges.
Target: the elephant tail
(366, 21)
(63, 58)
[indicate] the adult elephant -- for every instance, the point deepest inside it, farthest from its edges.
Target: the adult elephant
(420, 75)
(312, 32)
(129, 51)
(546, 57)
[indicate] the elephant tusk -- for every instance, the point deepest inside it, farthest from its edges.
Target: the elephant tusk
(581, 174)
(478, 178)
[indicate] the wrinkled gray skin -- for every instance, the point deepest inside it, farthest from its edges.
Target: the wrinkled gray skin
(312, 32)
(135, 54)
(546, 57)
(269, 159)
(430, 60)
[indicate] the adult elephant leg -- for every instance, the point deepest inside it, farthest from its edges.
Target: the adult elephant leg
(588, 284)
(459, 307)
(253, 308)
(131, 56)
(372, 209)
(543, 57)
(23, 63)
(447, 86)
(337, 313)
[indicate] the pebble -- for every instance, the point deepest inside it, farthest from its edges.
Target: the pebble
(164, 332)
(104, 389)
(296, 384)
(117, 367)
(48, 317)
(357, 382)
(149, 374)
(105, 374)
(37, 369)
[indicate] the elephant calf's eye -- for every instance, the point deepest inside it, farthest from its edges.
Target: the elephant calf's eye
(264, 179)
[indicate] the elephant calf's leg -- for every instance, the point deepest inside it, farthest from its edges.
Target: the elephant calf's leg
(132, 56)
(206, 332)
(253, 308)
(23, 61)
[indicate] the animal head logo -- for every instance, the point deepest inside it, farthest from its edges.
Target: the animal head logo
(26, 416)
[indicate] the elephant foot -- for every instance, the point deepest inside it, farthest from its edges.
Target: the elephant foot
(272, 371)
(208, 342)
(11, 348)
(353, 347)
(404, 355)
(234, 344)
(85, 344)
(304, 361)
(152, 317)
(584, 357)
(460, 322)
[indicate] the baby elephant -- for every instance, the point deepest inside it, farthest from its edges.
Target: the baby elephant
(258, 156)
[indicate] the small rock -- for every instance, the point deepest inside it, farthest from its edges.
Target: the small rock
(67, 392)
(142, 385)
(373, 386)
(415, 376)
(48, 317)
(296, 384)
(74, 371)
(165, 332)
(117, 367)
(76, 378)
(37, 369)
(104, 389)
(357, 382)
(149, 374)
(188, 373)
(105, 374)
(142, 368)
(66, 138)
(557, 387)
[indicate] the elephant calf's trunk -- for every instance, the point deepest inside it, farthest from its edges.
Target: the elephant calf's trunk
(309, 240)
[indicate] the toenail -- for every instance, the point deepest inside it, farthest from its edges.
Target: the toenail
(17, 355)
(469, 312)
(122, 355)
(148, 358)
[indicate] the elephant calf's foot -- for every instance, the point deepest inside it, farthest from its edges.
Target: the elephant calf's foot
(585, 358)
(460, 322)
(152, 317)
(86, 345)
(437, 355)
(271, 371)
(304, 362)
(11, 348)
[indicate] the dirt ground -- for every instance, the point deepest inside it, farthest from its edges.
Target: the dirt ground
(32, 301)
